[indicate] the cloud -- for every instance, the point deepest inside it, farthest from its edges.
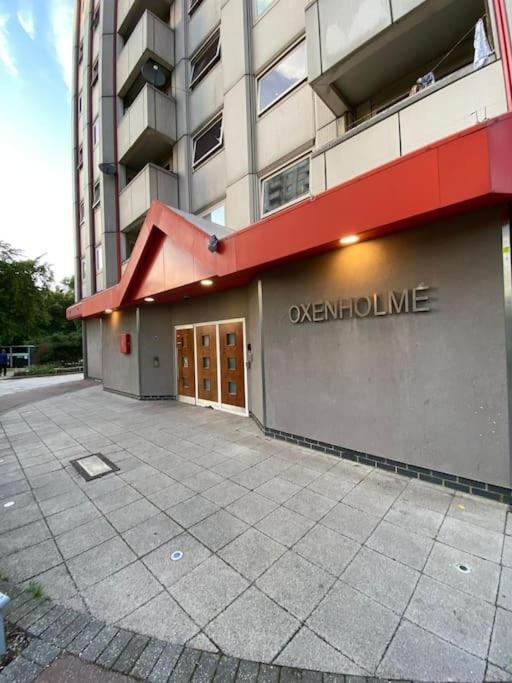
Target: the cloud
(6, 56)
(26, 19)
(61, 28)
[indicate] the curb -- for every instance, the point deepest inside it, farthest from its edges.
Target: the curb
(57, 630)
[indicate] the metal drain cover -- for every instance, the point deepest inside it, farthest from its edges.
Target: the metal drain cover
(94, 466)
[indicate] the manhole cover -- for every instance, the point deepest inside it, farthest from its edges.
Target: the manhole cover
(94, 466)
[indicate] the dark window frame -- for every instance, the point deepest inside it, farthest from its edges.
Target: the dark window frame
(96, 194)
(193, 5)
(207, 65)
(203, 133)
(95, 71)
(80, 160)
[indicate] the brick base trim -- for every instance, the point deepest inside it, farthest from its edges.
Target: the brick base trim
(452, 481)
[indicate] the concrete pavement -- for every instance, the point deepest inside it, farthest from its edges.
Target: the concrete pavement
(290, 557)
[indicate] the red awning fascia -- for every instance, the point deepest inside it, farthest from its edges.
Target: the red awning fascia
(470, 169)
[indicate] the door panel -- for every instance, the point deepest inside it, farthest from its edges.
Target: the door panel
(231, 337)
(206, 347)
(185, 369)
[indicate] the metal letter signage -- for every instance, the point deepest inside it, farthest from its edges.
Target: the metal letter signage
(414, 300)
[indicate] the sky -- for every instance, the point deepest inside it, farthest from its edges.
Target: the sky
(36, 204)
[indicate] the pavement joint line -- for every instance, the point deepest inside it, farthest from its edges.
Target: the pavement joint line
(319, 473)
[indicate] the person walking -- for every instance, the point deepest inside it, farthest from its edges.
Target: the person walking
(4, 362)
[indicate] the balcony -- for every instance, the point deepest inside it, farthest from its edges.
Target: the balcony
(151, 39)
(361, 51)
(130, 11)
(153, 182)
(147, 131)
(449, 106)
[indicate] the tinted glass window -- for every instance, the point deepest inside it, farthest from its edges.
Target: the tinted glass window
(282, 77)
(286, 186)
(208, 141)
(206, 58)
(194, 4)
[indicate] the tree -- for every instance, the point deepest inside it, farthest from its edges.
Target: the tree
(23, 287)
(33, 308)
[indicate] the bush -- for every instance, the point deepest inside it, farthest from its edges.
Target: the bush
(60, 348)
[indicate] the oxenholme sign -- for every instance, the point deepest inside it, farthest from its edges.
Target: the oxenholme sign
(392, 302)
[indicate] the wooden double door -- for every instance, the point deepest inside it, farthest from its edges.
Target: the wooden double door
(211, 364)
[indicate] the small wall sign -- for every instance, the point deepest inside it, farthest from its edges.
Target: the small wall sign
(393, 302)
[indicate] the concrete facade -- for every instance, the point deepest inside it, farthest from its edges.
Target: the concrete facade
(351, 112)
(213, 109)
(428, 389)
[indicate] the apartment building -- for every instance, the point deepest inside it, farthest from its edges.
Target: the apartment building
(298, 210)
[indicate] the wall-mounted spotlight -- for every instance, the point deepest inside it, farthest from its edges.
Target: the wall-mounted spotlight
(213, 243)
(350, 239)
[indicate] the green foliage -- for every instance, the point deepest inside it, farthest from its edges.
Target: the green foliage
(60, 347)
(36, 590)
(33, 309)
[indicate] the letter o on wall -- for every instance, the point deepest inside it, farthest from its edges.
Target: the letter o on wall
(294, 314)
(367, 304)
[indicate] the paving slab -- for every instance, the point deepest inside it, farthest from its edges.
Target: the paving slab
(121, 593)
(449, 614)
(252, 627)
(295, 584)
(69, 669)
(387, 581)
(306, 650)
(481, 578)
(327, 549)
(472, 539)
(163, 618)
(208, 589)
(285, 526)
(252, 553)
(401, 544)
(417, 655)
(356, 625)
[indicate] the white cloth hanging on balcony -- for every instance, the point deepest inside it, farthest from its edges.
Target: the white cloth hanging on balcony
(481, 45)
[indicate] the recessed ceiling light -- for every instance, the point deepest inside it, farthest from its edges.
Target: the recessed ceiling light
(149, 299)
(108, 310)
(350, 239)
(207, 283)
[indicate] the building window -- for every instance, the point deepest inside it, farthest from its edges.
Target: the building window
(81, 212)
(96, 193)
(80, 157)
(80, 102)
(206, 58)
(285, 75)
(95, 71)
(261, 6)
(208, 141)
(99, 258)
(95, 131)
(193, 5)
(217, 214)
(96, 17)
(81, 51)
(83, 269)
(286, 186)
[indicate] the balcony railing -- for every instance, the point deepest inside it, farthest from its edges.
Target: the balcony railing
(151, 39)
(147, 131)
(130, 11)
(153, 182)
(458, 102)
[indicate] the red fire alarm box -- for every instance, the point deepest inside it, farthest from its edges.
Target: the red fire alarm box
(126, 343)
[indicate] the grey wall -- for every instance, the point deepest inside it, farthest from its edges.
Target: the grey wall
(120, 371)
(93, 348)
(427, 389)
(254, 375)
